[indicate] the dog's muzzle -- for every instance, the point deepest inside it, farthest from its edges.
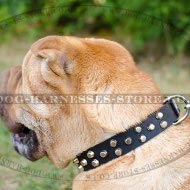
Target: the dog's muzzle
(25, 142)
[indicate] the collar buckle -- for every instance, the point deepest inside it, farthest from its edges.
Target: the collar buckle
(185, 101)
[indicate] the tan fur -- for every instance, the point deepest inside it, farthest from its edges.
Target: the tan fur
(70, 65)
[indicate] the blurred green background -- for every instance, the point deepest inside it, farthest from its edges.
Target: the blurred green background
(165, 23)
(155, 32)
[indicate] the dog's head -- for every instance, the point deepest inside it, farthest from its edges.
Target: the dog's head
(70, 66)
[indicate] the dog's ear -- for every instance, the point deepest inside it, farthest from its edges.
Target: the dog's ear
(55, 49)
(57, 61)
(49, 42)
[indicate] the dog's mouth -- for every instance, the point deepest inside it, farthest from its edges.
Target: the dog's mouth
(25, 142)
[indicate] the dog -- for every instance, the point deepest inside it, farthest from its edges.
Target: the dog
(77, 66)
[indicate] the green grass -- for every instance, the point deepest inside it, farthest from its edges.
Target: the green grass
(172, 75)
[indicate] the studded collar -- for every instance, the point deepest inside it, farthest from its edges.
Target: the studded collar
(129, 140)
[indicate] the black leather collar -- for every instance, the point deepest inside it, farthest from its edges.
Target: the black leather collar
(129, 140)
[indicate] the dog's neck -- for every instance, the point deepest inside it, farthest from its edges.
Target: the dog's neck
(121, 118)
(127, 141)
(146, 158)
(115, 118)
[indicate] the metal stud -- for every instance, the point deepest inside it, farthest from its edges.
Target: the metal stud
(103, 153)
(163, 124)
(159, 115)
(84, 162)
(118, 151)
(113, 143)
(95, 163)
(90, 154)
(128, 140)
(76, 161)
(138, 129)
(142, 138)
(151, 127)
(81, 169)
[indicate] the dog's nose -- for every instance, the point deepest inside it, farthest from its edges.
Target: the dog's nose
(9, 80)
(25, 143)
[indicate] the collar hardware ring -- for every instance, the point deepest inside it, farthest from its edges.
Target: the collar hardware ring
(187, 106)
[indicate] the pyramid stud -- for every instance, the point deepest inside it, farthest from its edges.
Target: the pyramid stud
(83, 162)
(81, 169)
(142, 138)
(138, 129)
(76, 161)
(113, 143)
(128, 140)
(163, 124)
(95, 163)
(118, 151)
(103, 153)
(151, 127)
(159, 115)
(90, 154)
